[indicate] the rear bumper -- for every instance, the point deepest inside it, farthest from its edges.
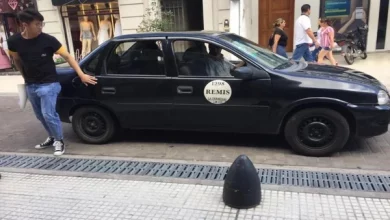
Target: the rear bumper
(371, 120)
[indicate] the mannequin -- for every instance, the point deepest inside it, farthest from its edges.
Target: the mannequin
(105, 31)
(4, 56)
(87, 33)
(118, 26)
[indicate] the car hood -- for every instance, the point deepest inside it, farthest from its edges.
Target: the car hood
(340, 73)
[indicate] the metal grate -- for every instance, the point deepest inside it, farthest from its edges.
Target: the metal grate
(358, 182)
(177, 7)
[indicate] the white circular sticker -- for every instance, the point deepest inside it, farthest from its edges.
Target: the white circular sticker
(217, 92)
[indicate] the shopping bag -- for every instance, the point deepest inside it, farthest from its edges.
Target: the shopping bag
(22, 95)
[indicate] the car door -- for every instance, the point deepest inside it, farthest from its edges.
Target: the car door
(216, 103)
(135, 85)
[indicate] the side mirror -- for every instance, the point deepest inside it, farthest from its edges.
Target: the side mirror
(243, 73)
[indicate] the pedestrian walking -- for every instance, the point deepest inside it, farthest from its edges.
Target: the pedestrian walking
(32, 51)
(317, 50)
(303, 36)
(327, 41)
(280, 38)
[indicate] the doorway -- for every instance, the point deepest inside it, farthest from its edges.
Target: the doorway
(382, 24)
(269, 11)
(188, 14)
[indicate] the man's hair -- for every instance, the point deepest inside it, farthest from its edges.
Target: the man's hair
(28, 15)
(305, 8)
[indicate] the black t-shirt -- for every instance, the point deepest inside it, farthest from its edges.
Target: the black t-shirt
(36, 55)
(283, 37)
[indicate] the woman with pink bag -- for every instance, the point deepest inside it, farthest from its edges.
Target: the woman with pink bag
(327, 41)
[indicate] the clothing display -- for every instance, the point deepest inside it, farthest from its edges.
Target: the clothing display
(86, 34)
(4, 59)
(118, 28)
(103, 32)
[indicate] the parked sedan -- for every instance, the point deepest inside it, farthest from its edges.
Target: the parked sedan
(219, 82)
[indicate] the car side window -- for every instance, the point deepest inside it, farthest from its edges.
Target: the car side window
(197, 58)
(93, 64)
(136, 58)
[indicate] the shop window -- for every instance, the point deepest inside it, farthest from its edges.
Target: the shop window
(136, 58)
(90, 25)
(346, 15)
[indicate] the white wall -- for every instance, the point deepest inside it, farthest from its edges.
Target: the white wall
(253, 26)
(53, 22)
(222, 11)
(315, 12)
(208, 15)
(131, 14)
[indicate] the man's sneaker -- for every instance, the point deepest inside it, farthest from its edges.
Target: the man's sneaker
(48, 143)
(59, 148)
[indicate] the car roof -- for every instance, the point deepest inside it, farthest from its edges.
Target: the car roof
(212, 34)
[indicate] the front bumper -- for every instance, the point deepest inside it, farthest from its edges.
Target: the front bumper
(371, 120)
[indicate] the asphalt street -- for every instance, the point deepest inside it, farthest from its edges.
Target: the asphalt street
(20, 131)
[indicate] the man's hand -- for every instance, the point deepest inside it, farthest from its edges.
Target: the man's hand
(87, 79)
(317, 44)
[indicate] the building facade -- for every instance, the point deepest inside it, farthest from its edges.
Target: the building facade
(68, 19)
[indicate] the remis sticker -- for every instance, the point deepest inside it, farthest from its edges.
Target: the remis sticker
(217, 92)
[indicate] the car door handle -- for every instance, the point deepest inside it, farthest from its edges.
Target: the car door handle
(108, 90)
(184, 89)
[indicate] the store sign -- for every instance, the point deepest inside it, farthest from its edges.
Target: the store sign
(337, 8)
(13, 4)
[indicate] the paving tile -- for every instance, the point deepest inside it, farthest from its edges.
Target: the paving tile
(92, 198)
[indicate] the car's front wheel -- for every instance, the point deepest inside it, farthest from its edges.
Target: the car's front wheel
(317, 132)
(93, 125)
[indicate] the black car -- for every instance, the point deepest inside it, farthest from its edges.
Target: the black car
(219, 82)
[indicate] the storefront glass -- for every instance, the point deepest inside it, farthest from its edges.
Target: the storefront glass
(346, 15)
(9, 26)
(89, 25)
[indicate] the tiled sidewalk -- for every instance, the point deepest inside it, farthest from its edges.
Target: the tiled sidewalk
(25, 196)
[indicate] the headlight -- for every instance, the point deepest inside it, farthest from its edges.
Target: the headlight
(383, 98)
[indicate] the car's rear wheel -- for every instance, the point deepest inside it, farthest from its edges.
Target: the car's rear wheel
(93, 125)
(317, 132)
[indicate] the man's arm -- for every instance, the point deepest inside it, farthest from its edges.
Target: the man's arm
(86, 79)
(311, 35)
(17, 60)
(306, 24)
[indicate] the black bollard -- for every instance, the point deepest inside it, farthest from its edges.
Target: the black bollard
(242, 188)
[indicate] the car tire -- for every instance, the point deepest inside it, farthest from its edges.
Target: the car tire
(93, 125)
(317, 132)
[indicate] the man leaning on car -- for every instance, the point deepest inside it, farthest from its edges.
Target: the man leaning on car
(33, 52)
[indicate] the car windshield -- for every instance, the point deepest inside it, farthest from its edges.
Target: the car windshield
(263, 56)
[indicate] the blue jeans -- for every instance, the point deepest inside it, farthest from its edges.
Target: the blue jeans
(315, 53)
(280, 50)
(43, 98)
(302, 50)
